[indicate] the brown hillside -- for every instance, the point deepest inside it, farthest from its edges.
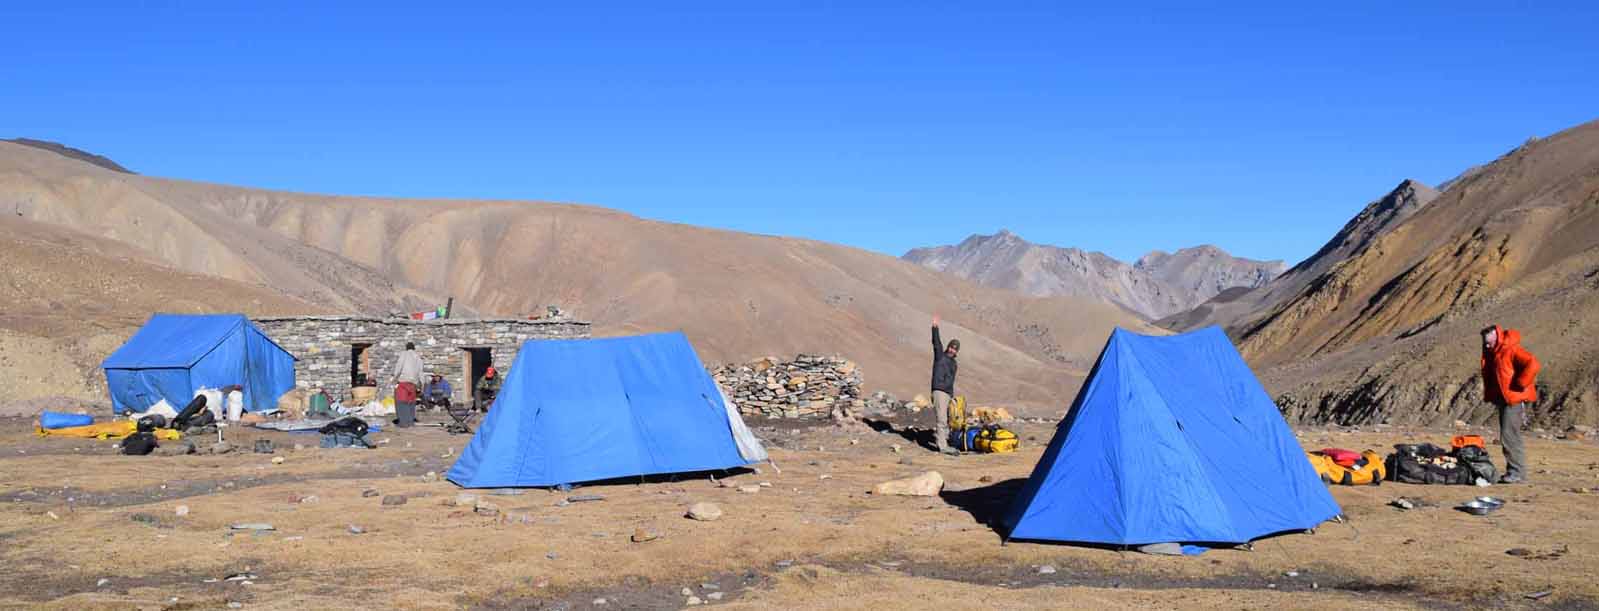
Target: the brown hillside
(736, 295)
(69, 299)
(1382, 323)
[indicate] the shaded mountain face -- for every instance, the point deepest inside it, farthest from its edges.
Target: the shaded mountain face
(737, 296)
(1381, 325)
(1159, 284)
(71, 153)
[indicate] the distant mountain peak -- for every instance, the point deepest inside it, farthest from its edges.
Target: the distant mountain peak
(1158, 284)
(72, 153)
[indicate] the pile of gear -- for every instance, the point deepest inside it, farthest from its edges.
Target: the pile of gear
(1466, 462)
(979, 433)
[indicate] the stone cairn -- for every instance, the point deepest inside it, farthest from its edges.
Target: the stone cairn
(806, 387)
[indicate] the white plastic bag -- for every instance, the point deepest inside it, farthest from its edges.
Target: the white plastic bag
(235, 406)
(162, 408)
(213, 401)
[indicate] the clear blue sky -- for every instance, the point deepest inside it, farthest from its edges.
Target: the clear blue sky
(1258, 128)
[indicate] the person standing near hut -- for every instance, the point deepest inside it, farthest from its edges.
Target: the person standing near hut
(407, 381)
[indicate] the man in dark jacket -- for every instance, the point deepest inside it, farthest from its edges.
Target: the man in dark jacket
(1509, 382)
(944, 367)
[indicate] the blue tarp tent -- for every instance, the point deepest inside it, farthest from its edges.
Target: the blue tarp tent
(580, 410)
(1170, 440)
(172, 355)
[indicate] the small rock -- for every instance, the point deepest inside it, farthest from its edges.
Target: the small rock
(766, 484)
(749, 489)
(277, 460)
(369, 493)
(1291, 574)
(1519, 551)
(252, 526)
(551, 556)
(102, 582)
(235, 605)
(1046, 570)
(985, 479)
(585, 498)
(52, 515)
(1402, 503)
(694, 600)
(599, 602)
(641, 535)
(357, 530)
(465, 499)
(1460, 424)
(221, 447)
(299, 446)
(264, 446)
(145, 518)
(704, 512)
(485, 508)
(430, 477)
(688, 592)
(181, 510)
(394, 500)
(710, 586)
(714, 595)
(826, 476)
(309, 499)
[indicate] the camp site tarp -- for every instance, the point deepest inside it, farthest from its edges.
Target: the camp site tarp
(172, 355)
(581, 410)
(1170, 440)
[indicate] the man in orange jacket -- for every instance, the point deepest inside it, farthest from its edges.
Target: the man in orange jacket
(1509, 377)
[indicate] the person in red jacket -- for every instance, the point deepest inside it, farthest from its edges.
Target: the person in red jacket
(1509, 377)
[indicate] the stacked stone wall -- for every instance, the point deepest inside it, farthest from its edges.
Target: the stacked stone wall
(323, 346)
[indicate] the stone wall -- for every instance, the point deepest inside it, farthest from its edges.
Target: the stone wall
(323, 345)
(806, 387)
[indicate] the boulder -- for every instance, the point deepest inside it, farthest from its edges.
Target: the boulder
(394, 500)
(926, 484)
(704, 512)
(174, 448)
(641, 534)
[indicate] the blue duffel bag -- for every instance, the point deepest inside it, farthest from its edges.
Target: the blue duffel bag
(58, 420)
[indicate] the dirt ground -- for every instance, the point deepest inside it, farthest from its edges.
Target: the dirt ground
(82, 527)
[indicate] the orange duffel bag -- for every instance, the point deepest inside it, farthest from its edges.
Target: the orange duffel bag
(1368, 471)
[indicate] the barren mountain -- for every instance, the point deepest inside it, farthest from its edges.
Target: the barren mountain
(1382, 323)
(71, 153)
(738, 296)
(1159, 284)
(68, 299)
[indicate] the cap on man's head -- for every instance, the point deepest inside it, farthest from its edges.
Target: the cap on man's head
(410, 345)
(954, 344)
(490, 372)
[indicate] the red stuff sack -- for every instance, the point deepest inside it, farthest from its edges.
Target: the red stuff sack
(1340, 456)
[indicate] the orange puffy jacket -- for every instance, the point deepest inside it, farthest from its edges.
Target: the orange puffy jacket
(1509, 371)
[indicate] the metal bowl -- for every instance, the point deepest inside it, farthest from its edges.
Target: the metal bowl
(1478, 508)
(1488, 500)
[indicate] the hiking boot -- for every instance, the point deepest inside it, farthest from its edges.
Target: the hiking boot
(1512, 479)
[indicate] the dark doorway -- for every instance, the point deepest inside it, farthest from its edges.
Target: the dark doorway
(360, 365)
(478, 361)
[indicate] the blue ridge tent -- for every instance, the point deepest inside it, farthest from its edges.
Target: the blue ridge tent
(579, 410)
(172, 355)
(1170, 440)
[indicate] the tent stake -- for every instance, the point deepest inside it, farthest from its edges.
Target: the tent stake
(773, 463)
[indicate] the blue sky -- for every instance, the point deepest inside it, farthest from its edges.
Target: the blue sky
(1259, 128)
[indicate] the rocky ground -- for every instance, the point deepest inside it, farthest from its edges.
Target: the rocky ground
(85, 528)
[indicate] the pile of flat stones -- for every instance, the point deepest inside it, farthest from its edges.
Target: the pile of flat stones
(806, 387)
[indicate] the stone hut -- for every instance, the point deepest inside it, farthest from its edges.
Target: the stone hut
(338, 352)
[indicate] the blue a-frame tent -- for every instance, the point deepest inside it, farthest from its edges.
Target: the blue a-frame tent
(172, 355)
(1170, 440)
(581, 410)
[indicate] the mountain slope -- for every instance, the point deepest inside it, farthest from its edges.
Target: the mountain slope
(69, 299)
(1158, 285)
(1382, 323)
(737, 295)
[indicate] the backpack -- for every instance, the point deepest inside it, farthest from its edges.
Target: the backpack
(994, 439)
(964, 439)
(139, 444)
(957, 413)
(1368, 468)
(1476, 460)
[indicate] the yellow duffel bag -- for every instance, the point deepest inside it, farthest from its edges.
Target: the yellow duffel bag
(996, 440)
(1368, 471)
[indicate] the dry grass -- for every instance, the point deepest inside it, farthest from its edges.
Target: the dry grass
(805, 542)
